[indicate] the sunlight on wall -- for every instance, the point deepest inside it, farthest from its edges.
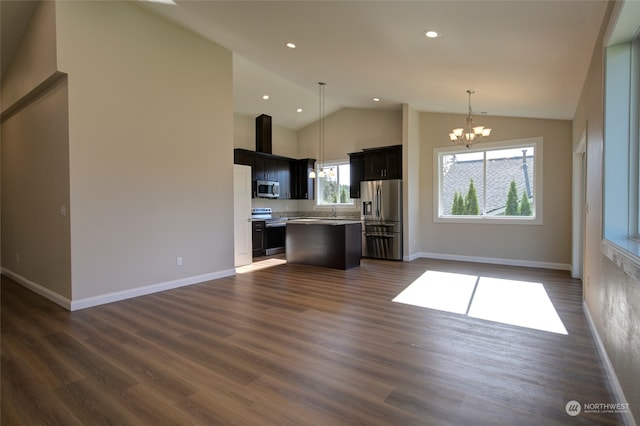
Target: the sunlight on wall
(520, 303)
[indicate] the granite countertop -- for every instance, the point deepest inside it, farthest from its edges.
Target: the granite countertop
(323, 221)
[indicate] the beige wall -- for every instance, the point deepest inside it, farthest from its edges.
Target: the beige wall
(611, 295)
(350, 130)
(284, 140)
(35, 162)
(35, 58)
(548, 244)
(411, 154)
(35, 187)
(150, 147)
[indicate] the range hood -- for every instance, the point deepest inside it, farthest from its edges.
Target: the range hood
(263, 134)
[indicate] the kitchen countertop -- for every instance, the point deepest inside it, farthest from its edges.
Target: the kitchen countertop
(323, 221)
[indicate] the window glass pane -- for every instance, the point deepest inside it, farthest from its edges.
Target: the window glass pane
(462, 187)
(510, 183)
(334, 187)
(503, 179)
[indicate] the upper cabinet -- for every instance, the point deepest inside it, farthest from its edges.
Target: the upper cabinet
(383, 163)
(291, 174)
(302, 187)
(356, 169)
(374, 164)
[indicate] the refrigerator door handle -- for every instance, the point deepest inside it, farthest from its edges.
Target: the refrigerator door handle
(378, 201)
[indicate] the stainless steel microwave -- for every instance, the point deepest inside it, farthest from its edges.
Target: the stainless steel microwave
(267, 189)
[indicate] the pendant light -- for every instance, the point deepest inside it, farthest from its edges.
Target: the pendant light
(319, 170)
(469, 134)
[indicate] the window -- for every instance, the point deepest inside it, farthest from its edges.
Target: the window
(621, 152)
(497, 182)
(334, 187)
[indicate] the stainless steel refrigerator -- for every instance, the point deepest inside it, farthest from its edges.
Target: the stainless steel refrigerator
(382, 219)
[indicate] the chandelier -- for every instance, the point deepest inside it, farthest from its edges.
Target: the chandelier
(470, 134)
(319, 170)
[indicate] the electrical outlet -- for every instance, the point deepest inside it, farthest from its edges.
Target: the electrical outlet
(179, 261)
(17, 257)
(63, 210)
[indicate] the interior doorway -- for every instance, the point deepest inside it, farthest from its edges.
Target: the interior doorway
(579, 207)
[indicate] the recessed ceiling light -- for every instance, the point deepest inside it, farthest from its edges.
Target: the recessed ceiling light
(299, 110)
(265, 97)
(291, 45)
(432, 34)
(376, 99)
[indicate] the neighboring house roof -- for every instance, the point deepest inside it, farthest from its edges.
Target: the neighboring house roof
(500, 173)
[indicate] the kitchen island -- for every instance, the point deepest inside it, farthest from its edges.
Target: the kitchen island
(330, 243)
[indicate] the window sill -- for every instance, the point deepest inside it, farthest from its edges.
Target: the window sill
(489, 220)
(625, 253)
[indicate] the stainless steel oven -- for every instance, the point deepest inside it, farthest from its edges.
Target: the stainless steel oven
(273, 232)
(276, 235)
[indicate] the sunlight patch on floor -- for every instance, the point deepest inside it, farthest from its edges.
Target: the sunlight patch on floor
(261, 264)
(520, 303)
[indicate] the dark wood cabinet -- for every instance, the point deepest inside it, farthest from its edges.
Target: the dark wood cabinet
(266, 167)
(383, 163)
(356, 171)
(263, 133)
(302, 187)
(329, 246)
(291, 174)
(284, 178)
(258, 240)
(244, 157)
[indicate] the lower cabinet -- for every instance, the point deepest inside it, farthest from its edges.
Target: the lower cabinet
(258, 234)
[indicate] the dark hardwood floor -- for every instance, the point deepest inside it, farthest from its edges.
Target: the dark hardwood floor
(297, 345)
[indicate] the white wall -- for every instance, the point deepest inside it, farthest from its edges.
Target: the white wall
(546, 245)
(150, 148)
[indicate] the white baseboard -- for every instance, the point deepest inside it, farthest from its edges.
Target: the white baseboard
(613, 378)
(491, 260)
(37, 288)
(74, 305)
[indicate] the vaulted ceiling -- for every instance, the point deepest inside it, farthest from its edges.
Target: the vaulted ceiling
(523, 58)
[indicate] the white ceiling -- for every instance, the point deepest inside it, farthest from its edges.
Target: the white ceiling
(523, 58)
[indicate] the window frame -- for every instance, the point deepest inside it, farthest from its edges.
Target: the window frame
(537, 206)
(328, 164)
(621, 147)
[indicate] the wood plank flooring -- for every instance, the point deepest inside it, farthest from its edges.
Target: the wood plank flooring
(297, 345)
